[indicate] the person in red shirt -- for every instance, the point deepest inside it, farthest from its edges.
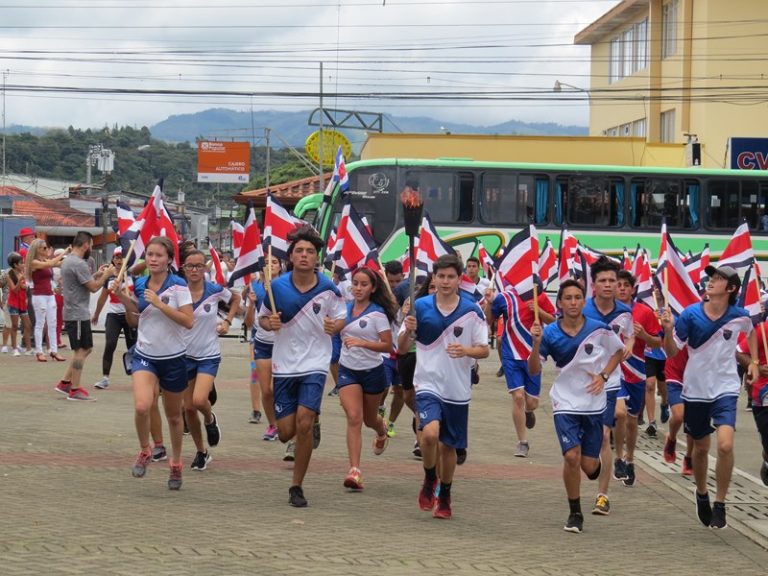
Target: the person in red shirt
(759, 389)
(675, 368)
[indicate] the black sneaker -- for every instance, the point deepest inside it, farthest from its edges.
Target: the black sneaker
(640, 420)
(296, 497)
(255, 417)
(316, 434)
(475, 375)
(530, 420)
(575, 523)
(651, 430)
(461, 456)
(620, 469)
(703, 508)
(764, 473)
(664, 413)
(748, 407)
(718, 517)
(212, 431)
(201, 461)
(630, 479)
(417, 451)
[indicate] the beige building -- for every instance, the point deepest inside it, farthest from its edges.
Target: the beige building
(664, 69)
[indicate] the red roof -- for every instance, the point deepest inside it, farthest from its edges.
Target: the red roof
(288, 193)
(46, 212)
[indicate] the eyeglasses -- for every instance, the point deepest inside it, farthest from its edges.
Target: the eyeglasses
(194, 266)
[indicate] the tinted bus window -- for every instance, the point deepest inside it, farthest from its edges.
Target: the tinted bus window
(730, 201)
(438, 189)
(589, 200)
(514, 199)
(374, 195)
(652, 199)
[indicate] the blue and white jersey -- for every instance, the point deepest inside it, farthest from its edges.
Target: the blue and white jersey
(159, 337)
(620, 321)
(301, 346)
(577, 358)
(711, 369)
(436, 372)
(203, 339)
(257, 332)
(368, 325)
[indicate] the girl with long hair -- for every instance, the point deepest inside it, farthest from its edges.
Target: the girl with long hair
(17, 303)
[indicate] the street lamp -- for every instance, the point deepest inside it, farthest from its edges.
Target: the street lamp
(560, 85)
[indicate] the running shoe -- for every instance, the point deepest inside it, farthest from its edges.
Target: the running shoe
(718, 521)
(640, 420)
(380, 444)
(530, 420)
(764, 473)
(748, 407)
(442, 509)
(664, 413)
(500, 372)
(575, 523)
(687, 466)
(174, 478)
(159, 453)
(212, 431)
(102, 384)
(63, 387)
(703, 508)
(620, 469)
(80, 395)
(427, 495)
(391, 430)
(334, 391)
(383, 410)
(474, 376)
(270, 434)
(255, 417)
(296, 497)
(651, 430)
(290, 455)
(461, 456)
(201, 461)
(354, 479)
(522, 449)
(316, 434)
(630, 479)
(140, 466)
(4, 350)
(29, 353)
(416, 450)
(602, 505)
(17, 353)
(670, 455)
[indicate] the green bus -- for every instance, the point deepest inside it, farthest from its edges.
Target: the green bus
(605, 207)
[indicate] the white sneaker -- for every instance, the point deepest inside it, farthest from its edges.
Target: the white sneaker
(4, 350)
(102, 384)
(16, 352)
(29, 353)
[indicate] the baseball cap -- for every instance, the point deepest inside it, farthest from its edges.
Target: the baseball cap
(727, 272)
(118, 251)
(26, 232)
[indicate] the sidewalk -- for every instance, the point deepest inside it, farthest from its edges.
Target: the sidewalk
(70, 505)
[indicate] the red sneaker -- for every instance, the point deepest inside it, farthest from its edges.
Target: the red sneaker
(443, 508)
(354, 479)
(63, 387)
(669, 451)
(427, 495)
(79, 395)
(687, 466)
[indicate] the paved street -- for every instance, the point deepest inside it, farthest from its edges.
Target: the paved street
(70, 505)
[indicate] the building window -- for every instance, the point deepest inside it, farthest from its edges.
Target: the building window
(668, 126)
(638, 128)
(614, 72)
(628, 52)
(641, 45)
(627, 56)
(669, 24)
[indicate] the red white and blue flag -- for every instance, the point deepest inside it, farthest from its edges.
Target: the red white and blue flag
(357, 246)
(431, 247)
(125, 217)
(566, 253)
(680, 287)
(739, 252)
(237, 238)
(218, 273)
(486, 261)
(520, 261)
(251, 258)
(641, 270)
(278, 224)
(153, 221)
(547, 264)
(749, 297)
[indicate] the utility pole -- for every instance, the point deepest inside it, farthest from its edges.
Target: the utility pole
(266, 137)
(321, 186)
(5, 76)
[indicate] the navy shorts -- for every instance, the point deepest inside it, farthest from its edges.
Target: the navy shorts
(674, 393)
(294, 391)
(634, 393)
(585, 430)
(373, 381)
(702, 418)
(393, 374)
(609, 414)
(335, 348)
(207, 366)
(654, 368)
(517, 375)
(262, 350)
(170, 372)
(453, 418)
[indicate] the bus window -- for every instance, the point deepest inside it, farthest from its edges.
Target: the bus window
(374, 195)
(723, 203)
(514, 199)
(466, 209)
(590, 200)
(437, 190)
(652, 199)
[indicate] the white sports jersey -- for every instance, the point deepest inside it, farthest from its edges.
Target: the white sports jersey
(711, 369)
(159, 336)
(620, 321)
(436, 372)
(301, 346)
(202, 339)
(372, 322)
(258, 333)
(345, 289)
(114, 306)
(576, 358)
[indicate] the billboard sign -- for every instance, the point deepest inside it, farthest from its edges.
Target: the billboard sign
(749, 153)
(226, 162)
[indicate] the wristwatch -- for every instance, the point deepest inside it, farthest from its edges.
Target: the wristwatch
(604, 376)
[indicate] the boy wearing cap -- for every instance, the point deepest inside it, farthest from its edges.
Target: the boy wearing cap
(711, 383)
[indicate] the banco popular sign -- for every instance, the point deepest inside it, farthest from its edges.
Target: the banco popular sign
(228, 162)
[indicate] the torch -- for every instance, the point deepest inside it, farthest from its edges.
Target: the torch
(413, 206)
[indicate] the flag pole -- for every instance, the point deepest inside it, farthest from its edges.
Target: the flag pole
(384, 276)
(127, 257)
(268, 280)
(535, 296)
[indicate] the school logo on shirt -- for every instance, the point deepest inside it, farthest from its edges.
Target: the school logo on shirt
(616, 328)
(458, 331)
(363, 323)
(207, 307)
(165, 299)
(316, 307)
(278, 408)
(727, 334)
(588, 348)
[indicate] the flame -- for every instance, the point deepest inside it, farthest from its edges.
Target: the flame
(410, 197)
